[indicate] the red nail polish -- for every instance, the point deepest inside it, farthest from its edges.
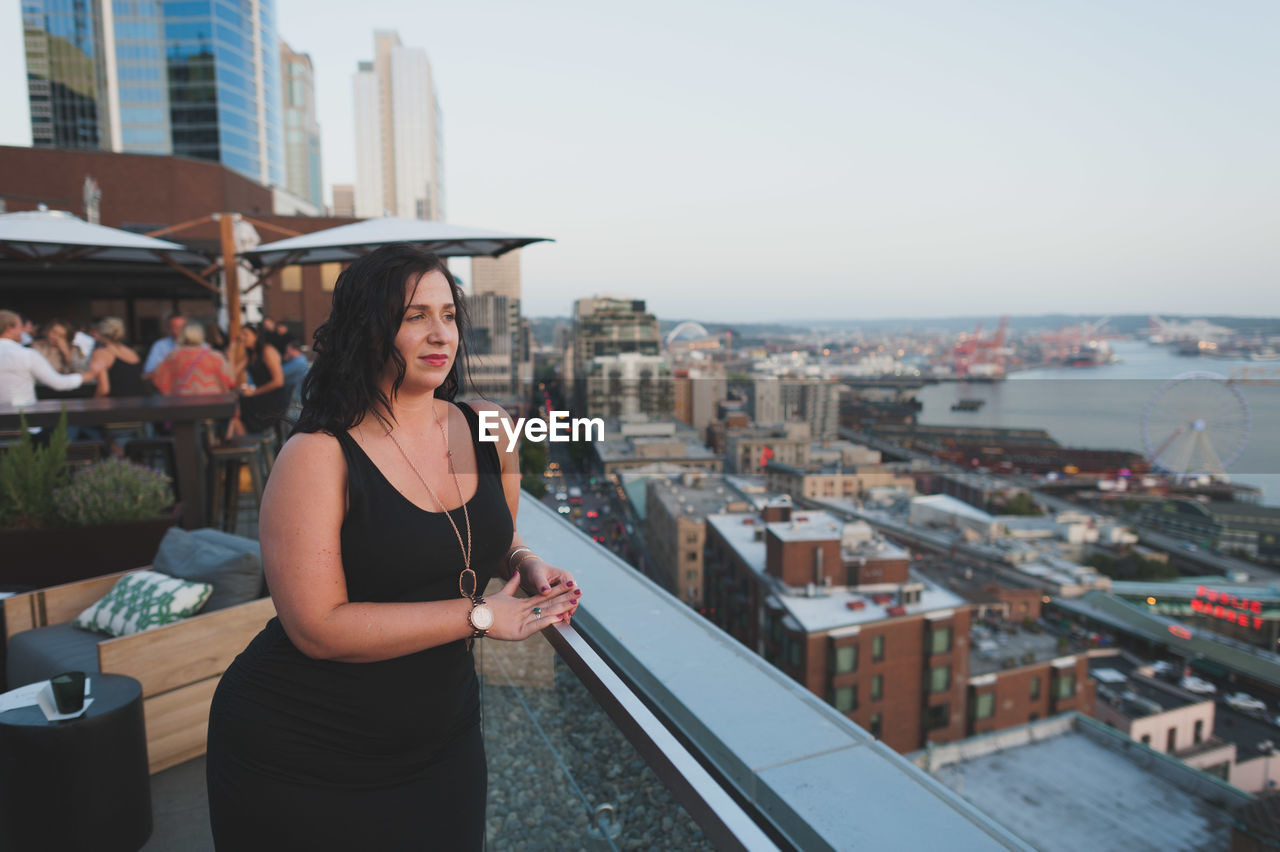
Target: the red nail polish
(569, 584)
(546, 588)
(577, 591)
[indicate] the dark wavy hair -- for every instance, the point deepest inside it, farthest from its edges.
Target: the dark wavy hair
(358, 339)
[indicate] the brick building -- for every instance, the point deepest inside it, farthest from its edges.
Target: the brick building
(837, 609)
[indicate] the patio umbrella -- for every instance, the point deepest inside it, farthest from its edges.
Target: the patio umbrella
(345, 243)
(55, 236)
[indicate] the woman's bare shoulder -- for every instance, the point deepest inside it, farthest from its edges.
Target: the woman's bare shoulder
(307, 449)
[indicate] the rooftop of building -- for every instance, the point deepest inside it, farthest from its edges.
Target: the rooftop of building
(1070, 783)
(1189, 587)
(695, 496)
(996, 648)
(648, 447)
(834, 607)
(954, 506)
(1127, 690)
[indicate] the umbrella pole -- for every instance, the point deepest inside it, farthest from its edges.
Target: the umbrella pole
(231, 283)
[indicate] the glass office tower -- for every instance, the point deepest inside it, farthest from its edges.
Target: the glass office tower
(197, 78)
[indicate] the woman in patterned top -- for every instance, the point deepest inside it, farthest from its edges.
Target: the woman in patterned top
(193, 368)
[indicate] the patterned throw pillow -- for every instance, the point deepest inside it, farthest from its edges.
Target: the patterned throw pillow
(141, 601)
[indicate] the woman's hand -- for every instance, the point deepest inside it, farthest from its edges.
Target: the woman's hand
(515, 618)
(542, 579)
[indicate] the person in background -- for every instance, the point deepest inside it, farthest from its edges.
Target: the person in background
(55, 345)
(294, 366)
(28, 331)
(164, 345)
(120, 366)
(263, 402)
(21, 368)
(193, 368)
(269, 325)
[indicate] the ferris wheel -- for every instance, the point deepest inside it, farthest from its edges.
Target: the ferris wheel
(1196, 423)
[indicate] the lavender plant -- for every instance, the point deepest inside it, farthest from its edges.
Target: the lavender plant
(113, 490)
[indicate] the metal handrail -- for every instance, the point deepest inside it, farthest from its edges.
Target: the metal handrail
(720, 817)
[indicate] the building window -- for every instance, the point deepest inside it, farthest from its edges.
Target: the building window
(1197, 736)
(877, 649)
(793, 652)
(1146, 739)
(1171, 741)
(1033, 717)
(877, 687)
(1035, 688)
(845, 698)
(291, 279)
(984, 705)
(1066, 685)
(939, 716)
(846, 659)
(939, 679)
(329, 273)
(940, 640)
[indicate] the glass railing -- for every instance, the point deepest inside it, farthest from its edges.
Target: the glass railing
(562, 775)
(646, 726)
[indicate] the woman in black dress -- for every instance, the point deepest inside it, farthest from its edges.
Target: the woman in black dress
(352, 720)
(263, 402)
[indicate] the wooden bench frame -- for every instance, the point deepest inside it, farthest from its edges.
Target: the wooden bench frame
(179, 665)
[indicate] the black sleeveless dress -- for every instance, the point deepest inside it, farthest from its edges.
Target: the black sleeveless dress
(126, 379)
(260, 412)
(317, 754)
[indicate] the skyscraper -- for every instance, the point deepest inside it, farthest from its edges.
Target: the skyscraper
(398, 142)
(301, 128)
(199, 78)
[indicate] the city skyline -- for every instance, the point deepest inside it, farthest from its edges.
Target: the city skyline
(918, 160)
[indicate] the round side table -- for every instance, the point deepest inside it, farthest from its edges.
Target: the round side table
(78, 784)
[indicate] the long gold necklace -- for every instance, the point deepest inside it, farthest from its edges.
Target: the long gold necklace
(466, 548)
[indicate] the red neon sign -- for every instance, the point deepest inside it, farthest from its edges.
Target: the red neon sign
(1243, 619)
(1216, 597)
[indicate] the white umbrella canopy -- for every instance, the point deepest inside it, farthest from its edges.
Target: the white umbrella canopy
(348, 242)
(55, 236)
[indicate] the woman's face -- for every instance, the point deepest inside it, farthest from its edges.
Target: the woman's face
(56, 333)
(247, 338)
(428, 335)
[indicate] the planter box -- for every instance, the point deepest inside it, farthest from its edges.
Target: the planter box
(34, 559)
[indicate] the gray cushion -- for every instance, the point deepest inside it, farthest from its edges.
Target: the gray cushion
(232, 567)
(46, 651)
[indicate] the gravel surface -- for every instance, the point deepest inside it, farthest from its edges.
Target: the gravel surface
(555, 757)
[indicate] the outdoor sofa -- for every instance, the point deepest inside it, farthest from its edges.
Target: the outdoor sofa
(178, 664)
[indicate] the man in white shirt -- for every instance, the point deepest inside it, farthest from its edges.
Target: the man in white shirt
(21, 368)
(162, 347)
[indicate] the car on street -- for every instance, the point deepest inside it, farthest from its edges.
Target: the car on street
(563, 509)
(562, 496)
(1246, 703)
(1165, 669)
(1199, 686)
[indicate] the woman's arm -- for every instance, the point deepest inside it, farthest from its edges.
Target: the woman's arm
(538, 577)
(100, 362)
(299, 529)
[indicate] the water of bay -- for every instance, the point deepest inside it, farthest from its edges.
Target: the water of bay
(1103, 407)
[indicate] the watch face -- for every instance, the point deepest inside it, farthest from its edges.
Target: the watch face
(481, 617)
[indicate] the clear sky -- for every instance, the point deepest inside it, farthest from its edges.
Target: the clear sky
(753, 161)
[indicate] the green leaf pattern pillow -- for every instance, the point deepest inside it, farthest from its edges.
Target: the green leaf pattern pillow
(144, 600)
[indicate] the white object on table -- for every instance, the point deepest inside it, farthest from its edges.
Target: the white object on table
(29, 695)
